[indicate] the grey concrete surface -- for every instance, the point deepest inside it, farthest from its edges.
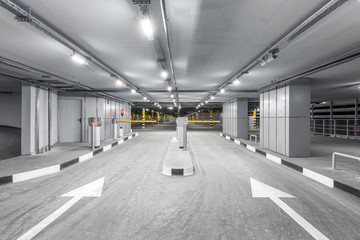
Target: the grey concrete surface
(138, 202)
(61, 152)
(321, 149)
(10, 140)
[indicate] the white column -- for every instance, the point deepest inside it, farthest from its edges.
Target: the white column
(285, 119)
(235, 118)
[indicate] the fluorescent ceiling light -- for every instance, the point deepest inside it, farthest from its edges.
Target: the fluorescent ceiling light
(206, 102)
(222, 90)
(171, 108)
(202, 104)
(212, 97)
(119, 82)
(172, 95)
(236, 81)
(145, 98)
(169, 88)
(173, 100)
(79, 59)
(155, 104)
(147, 27)
(164, 74)
(133, 91)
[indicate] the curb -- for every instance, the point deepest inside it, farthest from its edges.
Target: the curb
(24, 176)
(329, 182)
(184, 169)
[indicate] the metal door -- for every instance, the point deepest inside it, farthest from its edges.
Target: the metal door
(69, 120)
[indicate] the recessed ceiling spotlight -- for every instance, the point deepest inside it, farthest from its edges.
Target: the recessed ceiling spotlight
(202, 104)
(169, 88)
(236, 81)
(173, 100)
(133, 91)
(212, 97)
(172, 96)
(222, 90)
(164, 74)
(155, 104)
(206, 102)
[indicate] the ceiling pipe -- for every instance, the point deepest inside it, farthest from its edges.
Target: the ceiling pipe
(166, 27)
(285, 40)
(321, 67)
(39, 72)
(20, 13)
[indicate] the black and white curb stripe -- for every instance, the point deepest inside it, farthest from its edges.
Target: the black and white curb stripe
(329, 182)
(20, 177)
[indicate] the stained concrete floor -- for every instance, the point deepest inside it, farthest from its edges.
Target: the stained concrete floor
(138, 202)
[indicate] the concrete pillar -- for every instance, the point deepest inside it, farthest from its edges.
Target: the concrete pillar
(38, 120)
(285, 119)
(211, 118)
(235, 118)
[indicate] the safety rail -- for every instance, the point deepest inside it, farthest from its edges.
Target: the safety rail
(333, 165)
(344, 128)
(252, 135)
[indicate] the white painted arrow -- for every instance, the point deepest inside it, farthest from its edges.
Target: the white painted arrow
(261, 190)
(93, 189)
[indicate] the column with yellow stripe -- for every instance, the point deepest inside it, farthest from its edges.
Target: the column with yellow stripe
(143, 118)
(203, 118)
(152, 117)
(211, 118)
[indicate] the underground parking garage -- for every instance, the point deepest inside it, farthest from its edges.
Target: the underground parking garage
(167, 119)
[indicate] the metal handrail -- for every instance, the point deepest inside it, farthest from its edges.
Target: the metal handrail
(333, 165)
(252, 135)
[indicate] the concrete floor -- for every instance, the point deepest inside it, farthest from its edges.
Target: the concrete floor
(138, 202)
(10, 142)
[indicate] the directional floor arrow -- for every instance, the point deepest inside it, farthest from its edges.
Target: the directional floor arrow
(261, 190)
(93, 189)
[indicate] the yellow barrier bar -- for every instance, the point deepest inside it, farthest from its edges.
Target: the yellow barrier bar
(200, 121)
(135, 121)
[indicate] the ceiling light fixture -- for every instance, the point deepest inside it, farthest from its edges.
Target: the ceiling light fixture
(170, 108)
(172, 96)
(119, 82)
(79, 59)
(206, 102)
(145, 98)
(169, 88)
(222, 90)
(236, 81)
(147, 27)
(133, 91)
(164, 74)
(212, 97)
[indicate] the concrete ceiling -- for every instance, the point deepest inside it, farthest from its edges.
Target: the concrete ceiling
(210, 42)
